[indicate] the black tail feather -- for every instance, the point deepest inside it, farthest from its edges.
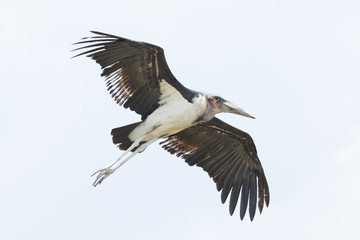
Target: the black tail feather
(120, 136)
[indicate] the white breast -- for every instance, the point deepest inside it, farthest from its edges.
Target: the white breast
(174, 114)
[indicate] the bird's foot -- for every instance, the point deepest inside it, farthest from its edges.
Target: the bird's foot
(102, 174)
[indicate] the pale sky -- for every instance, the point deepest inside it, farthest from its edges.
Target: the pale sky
(294, 65)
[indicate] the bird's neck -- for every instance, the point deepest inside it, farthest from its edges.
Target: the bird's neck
(209, 113)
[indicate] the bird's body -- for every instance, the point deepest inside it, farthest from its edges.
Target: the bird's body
(174, 115)
(137, 77)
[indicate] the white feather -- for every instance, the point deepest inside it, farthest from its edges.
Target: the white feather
(174, 114)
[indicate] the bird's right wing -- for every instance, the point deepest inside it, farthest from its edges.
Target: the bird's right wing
(136, 72)
(229, 156)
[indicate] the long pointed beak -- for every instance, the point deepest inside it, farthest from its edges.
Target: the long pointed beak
(233, 108)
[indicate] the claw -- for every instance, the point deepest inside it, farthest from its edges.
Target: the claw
(103, 173)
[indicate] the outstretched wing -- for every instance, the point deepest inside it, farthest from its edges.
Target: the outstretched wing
(229, 156)
(133, 71)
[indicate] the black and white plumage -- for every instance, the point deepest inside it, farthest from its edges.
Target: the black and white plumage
(137, 77)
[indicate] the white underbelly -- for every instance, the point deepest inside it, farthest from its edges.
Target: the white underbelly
(170, 118)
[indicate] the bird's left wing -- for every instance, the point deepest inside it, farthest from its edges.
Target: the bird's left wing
(134, 71)
(229, 156)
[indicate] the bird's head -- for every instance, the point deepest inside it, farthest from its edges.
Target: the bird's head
(219, 105)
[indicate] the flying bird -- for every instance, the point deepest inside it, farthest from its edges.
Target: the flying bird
(138, 77)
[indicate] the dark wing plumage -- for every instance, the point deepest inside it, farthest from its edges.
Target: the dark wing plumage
(133, 71)
(229, 156)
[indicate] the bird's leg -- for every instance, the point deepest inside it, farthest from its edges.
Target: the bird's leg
(108, 170)
(105, 172)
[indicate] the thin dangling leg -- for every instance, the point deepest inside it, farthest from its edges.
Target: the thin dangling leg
(134, 145)
(106, 171)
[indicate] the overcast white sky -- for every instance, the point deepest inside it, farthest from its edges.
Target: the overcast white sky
(294, 65)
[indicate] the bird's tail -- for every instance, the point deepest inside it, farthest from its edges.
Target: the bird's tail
(120, 136)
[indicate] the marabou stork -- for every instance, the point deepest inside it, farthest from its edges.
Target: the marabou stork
(138, 77)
